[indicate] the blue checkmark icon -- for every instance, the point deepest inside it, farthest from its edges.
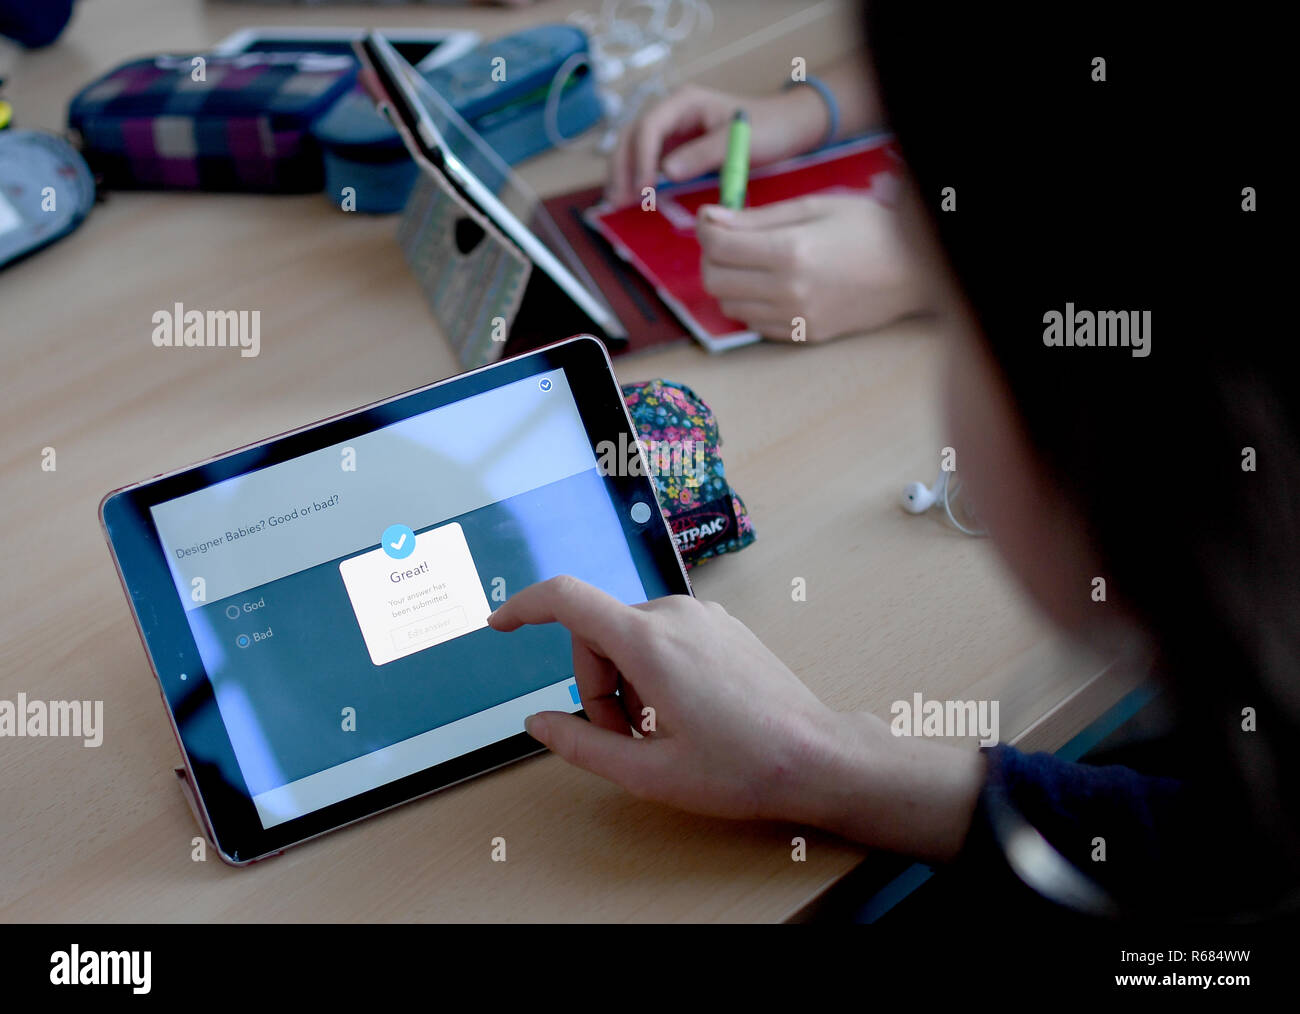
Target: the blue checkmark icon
(398, 541)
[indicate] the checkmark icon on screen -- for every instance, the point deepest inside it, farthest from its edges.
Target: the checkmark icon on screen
(398, 541)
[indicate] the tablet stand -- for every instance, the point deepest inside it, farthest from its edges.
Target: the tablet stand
(187, 790)
(472, 277)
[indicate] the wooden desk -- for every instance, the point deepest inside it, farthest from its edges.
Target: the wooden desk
(819, 441)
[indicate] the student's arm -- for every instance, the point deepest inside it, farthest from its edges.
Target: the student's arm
(685, 134)
(736, 734)
(836, 263)
(854, 87)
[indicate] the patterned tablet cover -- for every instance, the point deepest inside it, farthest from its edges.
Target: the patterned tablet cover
(474, 295)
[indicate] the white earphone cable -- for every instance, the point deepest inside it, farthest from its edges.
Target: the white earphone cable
(630, 56)
(947, 507)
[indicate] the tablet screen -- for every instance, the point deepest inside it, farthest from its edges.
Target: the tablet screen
(338, 600)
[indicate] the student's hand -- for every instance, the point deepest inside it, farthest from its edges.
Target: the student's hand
(685, 134)
(836, 261)
(735, 733)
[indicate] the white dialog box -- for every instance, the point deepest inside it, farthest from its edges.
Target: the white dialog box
(432, 595)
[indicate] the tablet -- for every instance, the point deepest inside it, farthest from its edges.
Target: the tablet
(315, 606)
(560, 281)
(424, 48)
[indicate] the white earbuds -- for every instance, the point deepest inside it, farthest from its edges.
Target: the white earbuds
(919, 498)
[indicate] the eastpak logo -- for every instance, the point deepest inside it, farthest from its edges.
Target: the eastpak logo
(698, 530)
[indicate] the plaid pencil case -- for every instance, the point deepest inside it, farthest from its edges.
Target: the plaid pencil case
(208, 122)
(680, 436)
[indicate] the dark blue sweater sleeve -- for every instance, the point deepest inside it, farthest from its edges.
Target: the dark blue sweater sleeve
(1125, 831)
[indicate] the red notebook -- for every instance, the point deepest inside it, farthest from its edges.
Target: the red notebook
(661, 244)
(648, 321)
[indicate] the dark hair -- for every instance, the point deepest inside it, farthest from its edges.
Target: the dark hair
(1128, 193)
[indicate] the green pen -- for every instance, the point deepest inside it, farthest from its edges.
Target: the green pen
(735, 168)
